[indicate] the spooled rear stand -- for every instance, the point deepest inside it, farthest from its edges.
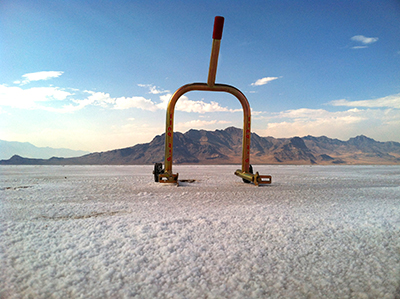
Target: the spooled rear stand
(166, 175)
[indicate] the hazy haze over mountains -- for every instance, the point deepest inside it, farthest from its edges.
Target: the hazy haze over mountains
(225, 147)
(26, 149)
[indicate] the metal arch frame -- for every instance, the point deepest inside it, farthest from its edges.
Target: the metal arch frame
(169, 129)
(168, 176)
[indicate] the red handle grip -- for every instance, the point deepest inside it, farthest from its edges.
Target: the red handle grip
(218, 27)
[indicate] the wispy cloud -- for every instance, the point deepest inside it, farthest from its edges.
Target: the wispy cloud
(392, 101)
(186, 105)
(198, 124)
(379, 119)
(378, 124)
(104, 100)
(60, 100)
(153, 89)
(18, 97)
(264, 81)
(38, 76)
(135, 102)
(365, 41)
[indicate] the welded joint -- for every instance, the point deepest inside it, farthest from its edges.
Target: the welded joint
(168, 178)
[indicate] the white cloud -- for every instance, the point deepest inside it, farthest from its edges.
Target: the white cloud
(380, 124)
(38, 76)
(378, 119)
(198, 124)
(32, 98)
(264, 81)
(135, 102)
(318, 116)
(98, 98)
(256, 113)
(186, 105)
(104, 100)
(364, 40)
(95, 98)
(359, 47)
(17, 97)
(392, 101)
(165, 100)
(153, 89)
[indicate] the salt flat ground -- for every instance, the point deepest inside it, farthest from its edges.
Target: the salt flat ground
(112, 232)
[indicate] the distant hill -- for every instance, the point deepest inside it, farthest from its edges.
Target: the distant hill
(26, 149)
(225, 147)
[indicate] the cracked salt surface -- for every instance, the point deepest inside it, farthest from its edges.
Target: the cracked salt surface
(111, 232)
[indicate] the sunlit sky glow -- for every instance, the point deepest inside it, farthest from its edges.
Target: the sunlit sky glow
(97, 75)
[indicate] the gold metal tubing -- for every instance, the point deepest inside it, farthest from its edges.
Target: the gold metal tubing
(256, 179)
(212, 70)
(168, 176)
(169, 128)
(245, 175)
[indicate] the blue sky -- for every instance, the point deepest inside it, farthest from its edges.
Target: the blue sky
(96, 75)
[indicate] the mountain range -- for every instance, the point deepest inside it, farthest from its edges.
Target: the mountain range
(225, 147)
(26, 149)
